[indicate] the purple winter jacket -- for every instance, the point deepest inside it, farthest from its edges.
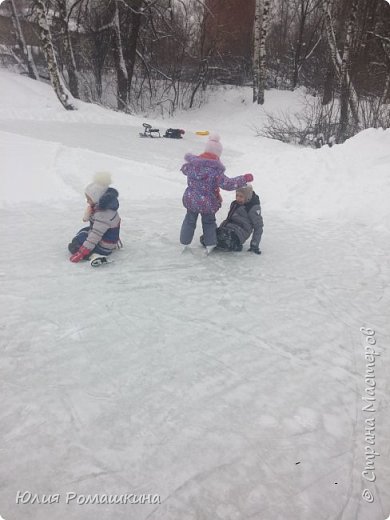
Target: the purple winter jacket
(204, 178)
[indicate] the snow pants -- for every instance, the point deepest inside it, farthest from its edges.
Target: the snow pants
(79, 240)
(189, 224)
(227, 239)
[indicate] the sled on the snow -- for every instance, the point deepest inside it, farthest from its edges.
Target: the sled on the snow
(149, 131)
(174, 133)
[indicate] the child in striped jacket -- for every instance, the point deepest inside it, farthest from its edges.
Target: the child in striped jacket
(101, 237)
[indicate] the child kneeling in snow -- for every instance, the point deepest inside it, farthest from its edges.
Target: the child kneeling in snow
(205, 175)
(101, 237)
(244, 217)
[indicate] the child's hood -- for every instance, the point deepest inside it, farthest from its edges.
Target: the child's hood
(255, 201)
(199, 168)
(109, 200)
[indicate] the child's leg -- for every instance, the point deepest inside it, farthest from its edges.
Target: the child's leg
(188, 228)
(73, 246)
(102, 251)
(209, 229)
(227, 239)
(78, 240)
(236, 244)
(222, 238)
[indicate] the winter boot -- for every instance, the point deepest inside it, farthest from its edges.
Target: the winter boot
(186, 248)
(95, 260)
(209, 249)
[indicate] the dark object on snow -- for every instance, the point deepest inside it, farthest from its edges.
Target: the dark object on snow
(100, 260)
(74, 246)
(227, 240)
(174, 133)
(319, 140)
(149, 131)
(255, 250)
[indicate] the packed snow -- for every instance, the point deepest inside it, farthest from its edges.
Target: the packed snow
(227, 387)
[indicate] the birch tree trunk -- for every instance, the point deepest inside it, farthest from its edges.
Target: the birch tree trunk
(259, 53)
(298, 49)
(256, 48)
(337, 61)
(344, 75)
(26, 51)
(48, 51)
(70, 61)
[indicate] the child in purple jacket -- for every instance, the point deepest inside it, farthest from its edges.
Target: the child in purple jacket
(205, 175)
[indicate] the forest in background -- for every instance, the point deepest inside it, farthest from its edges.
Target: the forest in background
(138, 55)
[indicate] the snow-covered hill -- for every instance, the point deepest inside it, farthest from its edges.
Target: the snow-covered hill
(230, 385)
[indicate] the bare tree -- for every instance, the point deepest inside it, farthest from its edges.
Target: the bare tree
(25, 50)
(96, 51)
(48, 51)
(121, 70)
(345, 76)
(259, 51)
(135, 16)
(303, 49)
(69, 57)
(126, 26)
(340, 63)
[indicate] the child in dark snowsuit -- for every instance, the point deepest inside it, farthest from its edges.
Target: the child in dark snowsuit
(101, 237)
(244, 217)
(205, 175)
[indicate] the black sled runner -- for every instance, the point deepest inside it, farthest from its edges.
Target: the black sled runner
(171, 133)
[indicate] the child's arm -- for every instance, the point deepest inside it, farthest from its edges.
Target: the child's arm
(230, 184)
(99, 227)
(257, 222)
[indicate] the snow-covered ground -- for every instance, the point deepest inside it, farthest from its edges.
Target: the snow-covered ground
(232, 385)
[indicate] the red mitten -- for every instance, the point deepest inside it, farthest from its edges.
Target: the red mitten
(248, 177)
(81, 253)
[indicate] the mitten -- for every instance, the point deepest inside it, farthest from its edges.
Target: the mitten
(254, 249)
(81, 253)
(248, 177)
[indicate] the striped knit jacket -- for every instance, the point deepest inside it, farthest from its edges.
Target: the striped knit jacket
(105, 222)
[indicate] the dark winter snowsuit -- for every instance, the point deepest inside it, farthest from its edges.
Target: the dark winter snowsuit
(242, 220)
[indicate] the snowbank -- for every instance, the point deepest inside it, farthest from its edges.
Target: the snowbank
(346, 182)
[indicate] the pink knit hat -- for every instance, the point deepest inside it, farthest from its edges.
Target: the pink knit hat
(214, 145)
